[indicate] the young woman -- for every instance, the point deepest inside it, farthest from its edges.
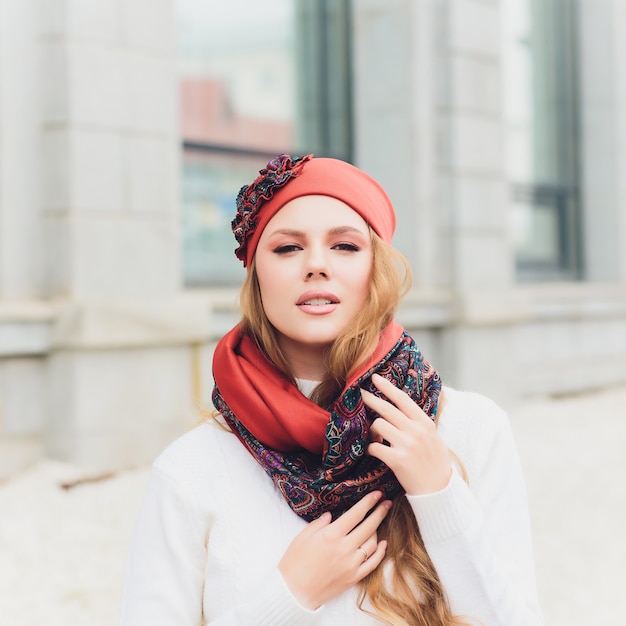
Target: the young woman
(340, 482)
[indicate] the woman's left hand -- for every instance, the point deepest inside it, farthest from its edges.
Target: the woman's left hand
(416, 453)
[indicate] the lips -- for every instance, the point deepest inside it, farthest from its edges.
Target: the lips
(317, 299)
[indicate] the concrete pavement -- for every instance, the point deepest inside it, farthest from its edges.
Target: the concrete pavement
(573, 451)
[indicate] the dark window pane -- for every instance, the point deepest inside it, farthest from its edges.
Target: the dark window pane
(541, 103)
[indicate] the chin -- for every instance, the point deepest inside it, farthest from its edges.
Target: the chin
(314, 340)
(318, 342)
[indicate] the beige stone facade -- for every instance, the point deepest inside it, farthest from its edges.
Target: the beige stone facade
(104, 356)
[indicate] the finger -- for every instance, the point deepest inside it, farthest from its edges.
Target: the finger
(367, 548)
(382, 430)
(356, 514)
(399, 398)
(381, 452)
(361, 533)
(317, 524)
(385, 409)
(374, 560)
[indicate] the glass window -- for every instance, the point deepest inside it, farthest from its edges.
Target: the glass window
(541, 99)
(256, 80)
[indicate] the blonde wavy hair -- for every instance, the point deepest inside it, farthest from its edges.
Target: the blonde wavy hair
(405, 588)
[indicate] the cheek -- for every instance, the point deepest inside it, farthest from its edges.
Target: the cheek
(266, 275)
(363, 284)
(268, 291)
(364, 293)
(272, 290)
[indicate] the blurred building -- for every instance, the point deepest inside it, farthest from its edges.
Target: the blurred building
(126, 129)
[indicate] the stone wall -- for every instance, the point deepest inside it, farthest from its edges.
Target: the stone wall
(96, 334)
(104, 357)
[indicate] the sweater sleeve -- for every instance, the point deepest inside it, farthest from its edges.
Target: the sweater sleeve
(165, 571)
(478, 535)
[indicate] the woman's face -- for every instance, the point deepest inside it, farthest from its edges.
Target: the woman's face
(313, 263)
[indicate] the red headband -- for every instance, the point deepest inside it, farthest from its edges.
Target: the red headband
(286, 178)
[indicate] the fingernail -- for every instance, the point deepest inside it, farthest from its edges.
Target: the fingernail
(387, 504)
(377, 495)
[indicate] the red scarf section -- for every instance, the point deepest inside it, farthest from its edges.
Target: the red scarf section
(267, 403)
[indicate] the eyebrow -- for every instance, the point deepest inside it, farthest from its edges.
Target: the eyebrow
(338, 230)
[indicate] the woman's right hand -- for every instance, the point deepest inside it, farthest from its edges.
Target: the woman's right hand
(327, 558)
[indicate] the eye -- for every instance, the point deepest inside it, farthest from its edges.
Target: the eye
(284, 249)
(346, 247)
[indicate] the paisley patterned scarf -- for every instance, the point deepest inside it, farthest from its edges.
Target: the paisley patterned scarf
(316, 457)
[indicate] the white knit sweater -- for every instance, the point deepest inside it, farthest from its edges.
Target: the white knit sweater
(213, 528)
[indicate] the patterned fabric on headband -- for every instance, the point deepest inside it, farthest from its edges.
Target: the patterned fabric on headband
(278, 172)
(253, 396)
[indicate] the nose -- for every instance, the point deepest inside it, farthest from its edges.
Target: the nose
(320, 273)
(316, 264)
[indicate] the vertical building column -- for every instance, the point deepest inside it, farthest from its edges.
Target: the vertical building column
(472, 155)
(395, 119)
(110, 147)
(119, 369)
(22, 323)
(478, 347)
(21, 250)
(603, 134)
(429, 125)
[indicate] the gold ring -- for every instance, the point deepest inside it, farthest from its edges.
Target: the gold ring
(365, 554)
